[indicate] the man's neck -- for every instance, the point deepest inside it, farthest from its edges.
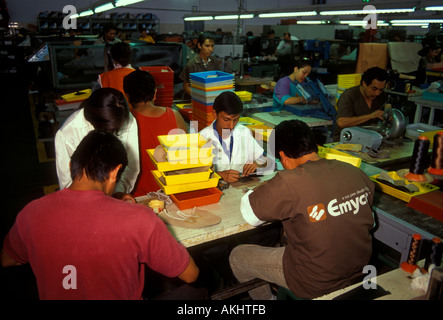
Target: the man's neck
(294, 163)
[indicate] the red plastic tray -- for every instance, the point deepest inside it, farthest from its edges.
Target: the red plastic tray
(197, 198)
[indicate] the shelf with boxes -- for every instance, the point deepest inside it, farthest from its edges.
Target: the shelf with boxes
(50, 22)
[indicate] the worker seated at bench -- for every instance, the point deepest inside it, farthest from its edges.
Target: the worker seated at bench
(325, 209)
(362, 104)
(236, 151)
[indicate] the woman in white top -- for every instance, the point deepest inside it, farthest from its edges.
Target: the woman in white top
(108, 110)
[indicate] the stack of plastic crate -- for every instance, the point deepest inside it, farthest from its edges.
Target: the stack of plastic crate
(164, 82)
(346, 81)
(197, 185)
(205, 87)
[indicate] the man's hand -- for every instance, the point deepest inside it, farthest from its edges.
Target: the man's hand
(229, 175)
(377, 114)
(124, 196)
(249, 168)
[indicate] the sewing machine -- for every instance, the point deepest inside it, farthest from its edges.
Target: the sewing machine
(372, 137)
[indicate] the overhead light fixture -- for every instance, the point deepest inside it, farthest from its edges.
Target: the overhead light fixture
(122, 3)
(411, 21)
(86, 13)
(287, 14)
(410, 24)
(202, 18)
(344, 12)
(234, 16)
(363, 23)
(312, 22)
(104, 7)
(434, 8)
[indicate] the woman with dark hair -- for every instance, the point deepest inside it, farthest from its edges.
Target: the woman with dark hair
(429, 59)
(286, 91)
(152, 121)
(203, 61)
(106, 109)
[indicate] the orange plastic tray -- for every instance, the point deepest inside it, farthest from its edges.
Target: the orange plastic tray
(197, 198)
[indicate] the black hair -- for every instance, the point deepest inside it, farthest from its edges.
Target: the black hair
(139, 86)
(374, 73)
(228, 102)
(428, 43)
(287, 33)
(202, 38)
(271, 31)
(108, 27)
(121, 53)
(106, 109)
(97, 154)
(294, 138)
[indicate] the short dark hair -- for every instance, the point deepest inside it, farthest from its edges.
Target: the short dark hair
(294, 138)
(106, 109)
(108, 27)
(202, 38)
(121, 52)
(139, 85)
(228, 102)
(374, 73)
(98, 153)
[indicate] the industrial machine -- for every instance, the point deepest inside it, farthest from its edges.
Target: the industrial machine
(372, 137)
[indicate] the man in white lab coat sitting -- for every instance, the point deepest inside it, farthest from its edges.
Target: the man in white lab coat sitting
(236, 153)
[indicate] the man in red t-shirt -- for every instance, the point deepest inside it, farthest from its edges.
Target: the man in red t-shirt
(83, 244)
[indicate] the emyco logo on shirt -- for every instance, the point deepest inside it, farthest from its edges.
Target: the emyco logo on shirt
(350, 203)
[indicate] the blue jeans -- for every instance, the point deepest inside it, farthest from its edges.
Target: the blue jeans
(250, 261)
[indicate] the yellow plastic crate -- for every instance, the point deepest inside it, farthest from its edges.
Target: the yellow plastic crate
(261, 131)
(182, 140)
(185, 146)
(330, 153)
(405, 196)
(186, 177)
(244, 95)
(210, 183)
(179, 165)
(78, 95)
(247, 121)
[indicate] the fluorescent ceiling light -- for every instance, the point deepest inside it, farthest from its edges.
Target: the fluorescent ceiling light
(418, 21)
(86, 13)
(234, 16)
(312, 22)
(198, 18)
(342, 12)
(287, 14)
(435, 8)
(410, 24)
(122, 3)
(104, 7)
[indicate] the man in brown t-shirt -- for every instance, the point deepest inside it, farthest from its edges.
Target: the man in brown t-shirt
(325, 209)
(361, 105)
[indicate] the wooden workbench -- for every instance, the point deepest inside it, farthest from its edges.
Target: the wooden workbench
(228, 209)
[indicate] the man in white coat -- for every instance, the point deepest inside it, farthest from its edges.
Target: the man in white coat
(236, 153)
